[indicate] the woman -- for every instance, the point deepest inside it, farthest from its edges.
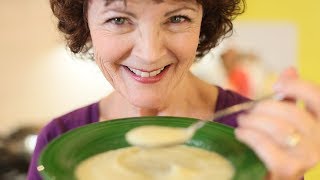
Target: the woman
(145, 49)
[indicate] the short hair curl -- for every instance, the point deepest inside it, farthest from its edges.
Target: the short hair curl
(216, 22)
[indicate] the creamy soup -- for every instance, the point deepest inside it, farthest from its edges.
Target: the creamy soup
(157, 136)
(171, 163)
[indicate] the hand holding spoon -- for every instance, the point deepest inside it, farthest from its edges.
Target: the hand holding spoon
(162, 136)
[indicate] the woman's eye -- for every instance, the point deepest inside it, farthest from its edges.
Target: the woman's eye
(179, 19)
(119, 24)
(118, 20)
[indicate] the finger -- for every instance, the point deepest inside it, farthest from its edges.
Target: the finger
(305, 91)
(280, 131)
(287, 112)
(273, 127)
(278, 161)
(287, 74)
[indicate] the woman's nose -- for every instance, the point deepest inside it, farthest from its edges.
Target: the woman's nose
(149, 45)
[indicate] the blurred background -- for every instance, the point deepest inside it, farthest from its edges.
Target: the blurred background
(40, 79)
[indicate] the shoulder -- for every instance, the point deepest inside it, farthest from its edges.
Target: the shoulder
(58, 126)
(228, 98)
(76, 118)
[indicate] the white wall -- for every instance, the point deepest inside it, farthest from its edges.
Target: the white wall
(38, 78)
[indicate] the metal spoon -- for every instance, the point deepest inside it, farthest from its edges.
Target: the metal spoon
(161, 136)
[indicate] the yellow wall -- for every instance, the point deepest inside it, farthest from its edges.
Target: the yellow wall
(306, 15)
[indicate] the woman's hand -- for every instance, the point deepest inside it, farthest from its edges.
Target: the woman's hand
(285, 137)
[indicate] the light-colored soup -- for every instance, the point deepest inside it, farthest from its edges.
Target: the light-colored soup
(156, 136)
(170, 163)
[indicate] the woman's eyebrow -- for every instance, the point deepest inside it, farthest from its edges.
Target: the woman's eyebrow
(108, 2)
(179, 9)
(123, 12)
(118, 9)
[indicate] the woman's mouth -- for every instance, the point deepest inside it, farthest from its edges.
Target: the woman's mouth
(144, 76)
(144, 73)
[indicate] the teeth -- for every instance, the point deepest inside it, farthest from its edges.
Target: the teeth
(154, 73)
(137, 72)
(146, 74)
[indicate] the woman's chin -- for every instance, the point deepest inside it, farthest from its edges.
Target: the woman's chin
(147, 102)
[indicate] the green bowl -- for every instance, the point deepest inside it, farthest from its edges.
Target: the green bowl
(63, 154)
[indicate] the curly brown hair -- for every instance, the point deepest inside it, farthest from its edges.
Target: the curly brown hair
(216, 22)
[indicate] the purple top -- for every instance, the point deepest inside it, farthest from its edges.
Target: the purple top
(90, 114)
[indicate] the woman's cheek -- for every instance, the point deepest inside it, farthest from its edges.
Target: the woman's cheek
(109, 46)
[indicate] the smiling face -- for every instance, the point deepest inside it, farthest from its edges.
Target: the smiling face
(145, 48)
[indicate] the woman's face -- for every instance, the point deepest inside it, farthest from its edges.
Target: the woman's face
(144, 48)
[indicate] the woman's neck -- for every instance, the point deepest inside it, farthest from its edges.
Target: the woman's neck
(192, 98)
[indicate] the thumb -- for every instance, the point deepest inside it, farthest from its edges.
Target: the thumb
(288, 74)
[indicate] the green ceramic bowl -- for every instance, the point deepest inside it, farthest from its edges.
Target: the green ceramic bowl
(62, 155)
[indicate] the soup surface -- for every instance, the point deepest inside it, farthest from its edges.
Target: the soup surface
(170, 163)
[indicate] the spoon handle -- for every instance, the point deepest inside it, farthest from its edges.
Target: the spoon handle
(234, 109)
(244, 106)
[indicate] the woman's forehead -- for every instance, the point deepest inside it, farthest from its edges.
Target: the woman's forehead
(107, 2)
